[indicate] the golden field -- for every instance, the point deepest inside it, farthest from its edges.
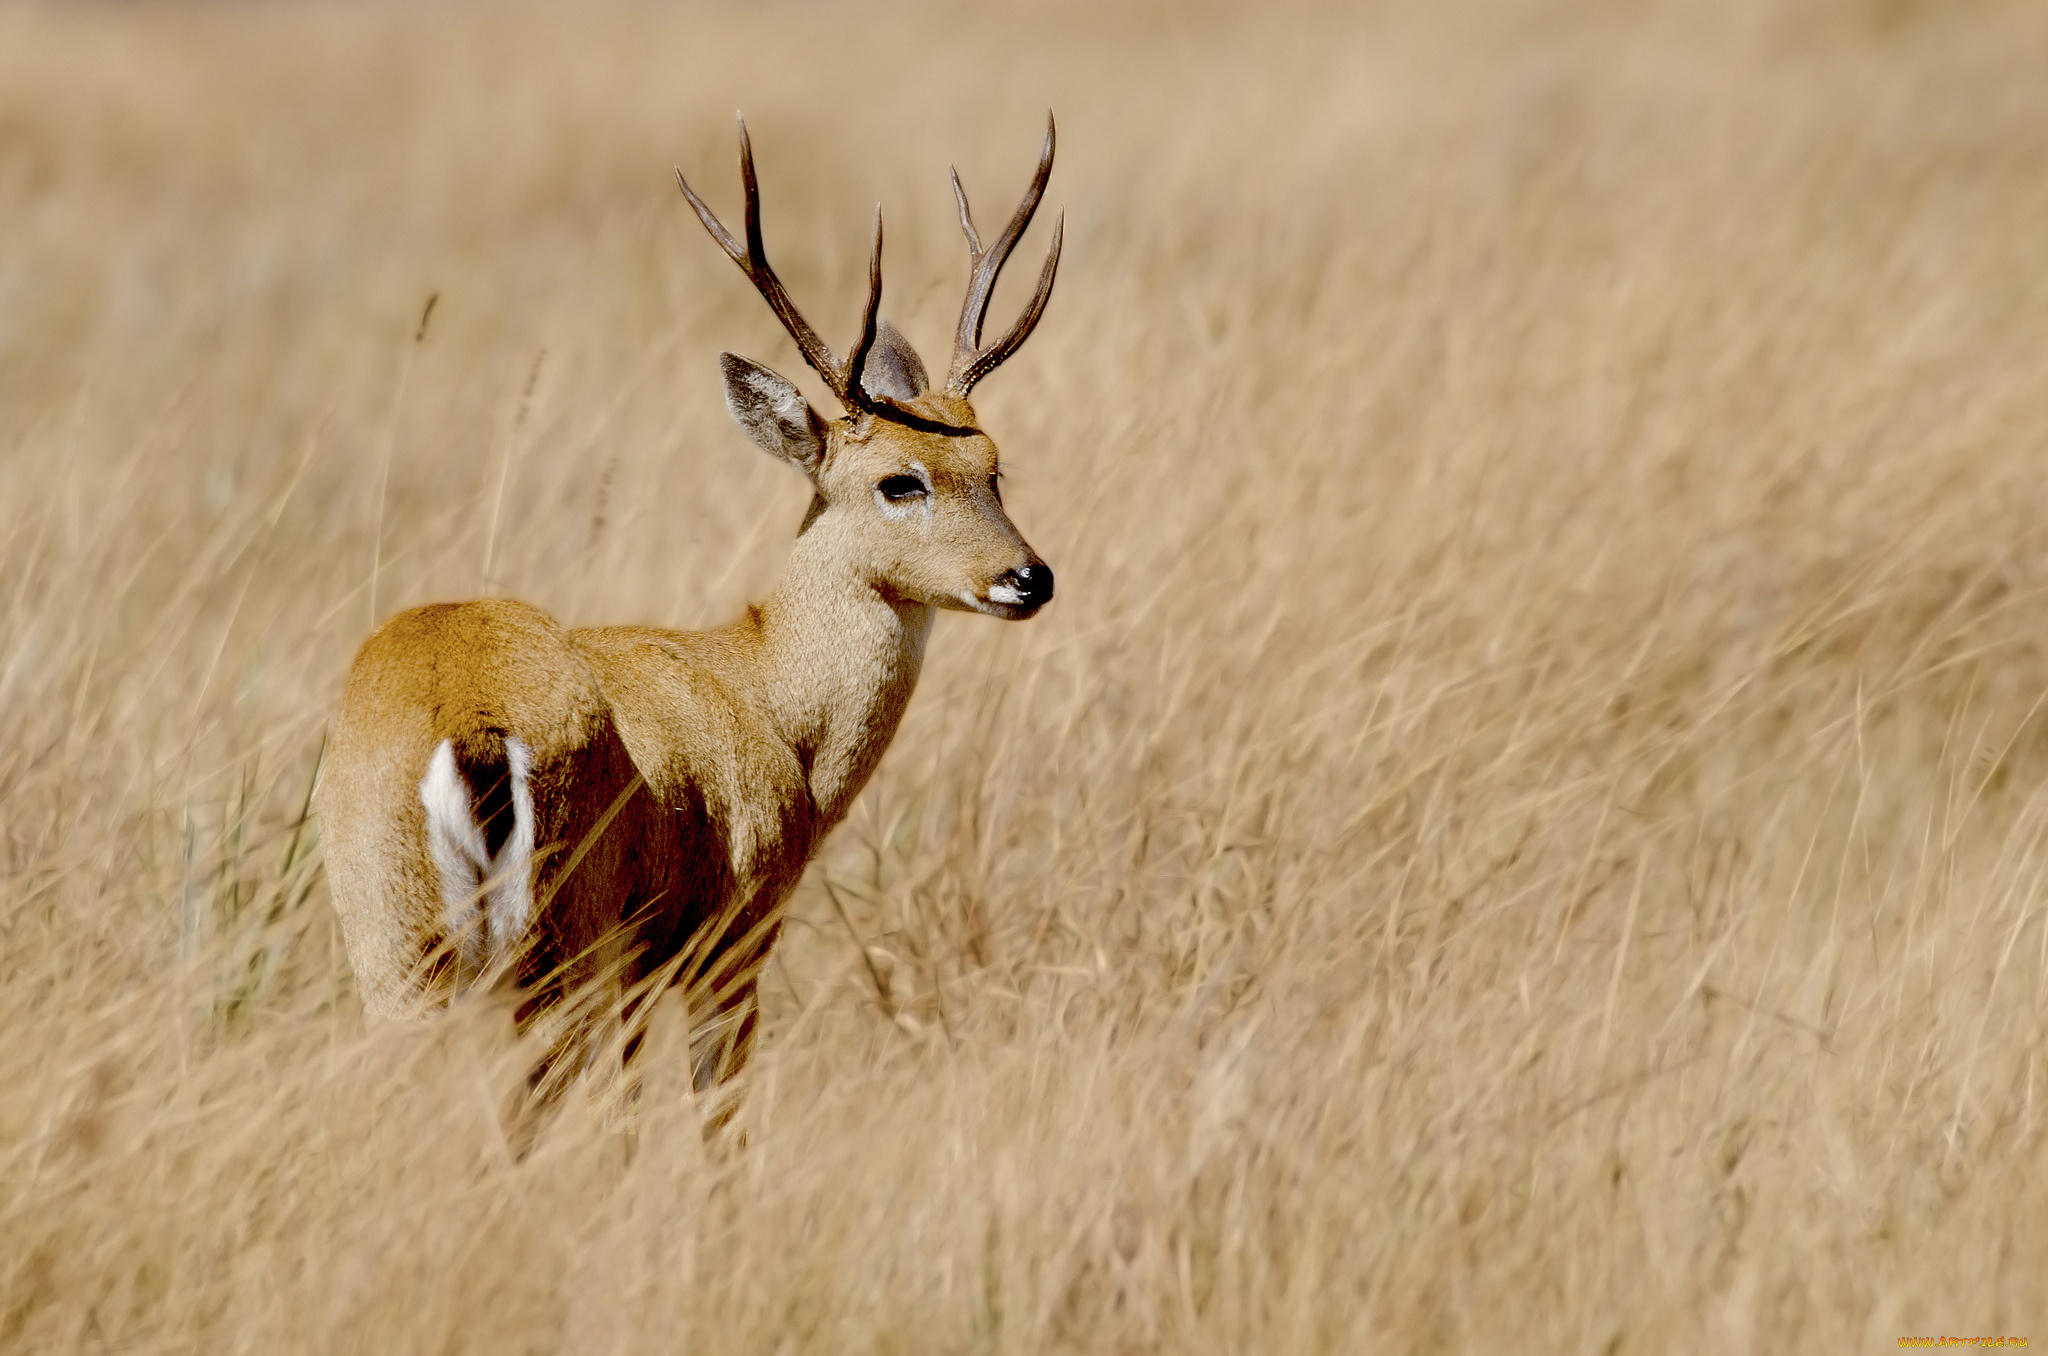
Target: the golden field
(1524, 829)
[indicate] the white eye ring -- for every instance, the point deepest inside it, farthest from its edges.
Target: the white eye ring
(904, 493)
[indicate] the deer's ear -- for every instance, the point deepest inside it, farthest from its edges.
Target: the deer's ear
(774, 413)
(893, 368)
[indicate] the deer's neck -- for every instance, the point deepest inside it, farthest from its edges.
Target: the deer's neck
(840, 661)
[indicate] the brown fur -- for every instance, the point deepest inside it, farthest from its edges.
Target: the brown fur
(680, 780)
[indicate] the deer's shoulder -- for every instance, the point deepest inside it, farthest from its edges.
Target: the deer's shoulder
(684, 708)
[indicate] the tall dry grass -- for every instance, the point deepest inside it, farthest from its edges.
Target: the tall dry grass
(1524, 829)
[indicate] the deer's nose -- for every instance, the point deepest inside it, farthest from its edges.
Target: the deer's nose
(1033, 583)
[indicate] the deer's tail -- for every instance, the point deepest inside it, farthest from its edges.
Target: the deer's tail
(480, 839)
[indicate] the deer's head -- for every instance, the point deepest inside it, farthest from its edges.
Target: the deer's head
(906, 481)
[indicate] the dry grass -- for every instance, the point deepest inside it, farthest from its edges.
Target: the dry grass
(1525, 829)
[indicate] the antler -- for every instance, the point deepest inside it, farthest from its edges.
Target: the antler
(971, 362)
(844, 379)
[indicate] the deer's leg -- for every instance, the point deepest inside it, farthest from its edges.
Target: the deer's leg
(557, 1006)
(642, 994)
(725, 1022)
(528, 1107)
(721, 1045)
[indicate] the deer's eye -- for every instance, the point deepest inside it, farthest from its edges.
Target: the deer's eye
(900, 489)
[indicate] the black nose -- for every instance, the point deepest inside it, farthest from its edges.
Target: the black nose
(1033, 583)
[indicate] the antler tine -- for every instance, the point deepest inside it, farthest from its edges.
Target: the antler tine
(712, 224)
(971, 362)
(857, 359)
(995, 355)
(966, 217)
(753, 261)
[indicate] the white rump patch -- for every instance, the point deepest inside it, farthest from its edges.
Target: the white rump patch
(486, 901)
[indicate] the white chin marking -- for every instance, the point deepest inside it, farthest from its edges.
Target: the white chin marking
(1006, 594)
(486, 900)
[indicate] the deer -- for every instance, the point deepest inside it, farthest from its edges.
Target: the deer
(546, 813)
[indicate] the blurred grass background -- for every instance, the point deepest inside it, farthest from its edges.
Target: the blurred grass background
(1522, 831)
